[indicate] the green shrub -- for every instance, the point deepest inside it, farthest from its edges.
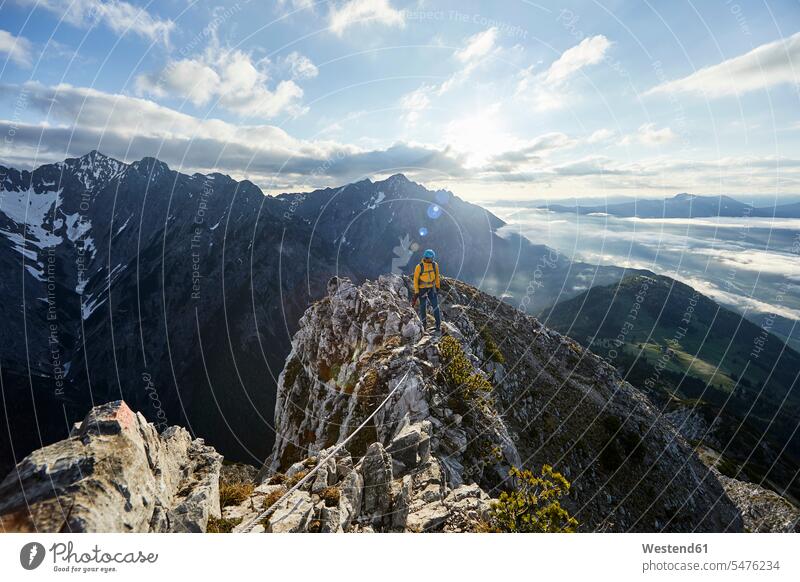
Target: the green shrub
(458, 370)
(533, 506)
(492, 350)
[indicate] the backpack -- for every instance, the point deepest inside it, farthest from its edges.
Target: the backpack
(427, 277)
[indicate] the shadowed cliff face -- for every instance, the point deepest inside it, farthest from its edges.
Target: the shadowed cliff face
(527, 396)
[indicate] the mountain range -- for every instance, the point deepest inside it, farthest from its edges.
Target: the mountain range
(683, 206)
(185, 295)
(180, 293)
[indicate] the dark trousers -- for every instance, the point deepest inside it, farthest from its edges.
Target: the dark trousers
(431, 295)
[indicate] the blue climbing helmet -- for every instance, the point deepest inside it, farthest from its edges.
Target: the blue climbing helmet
(429, 254)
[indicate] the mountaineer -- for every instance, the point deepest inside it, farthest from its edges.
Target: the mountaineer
(426, 288)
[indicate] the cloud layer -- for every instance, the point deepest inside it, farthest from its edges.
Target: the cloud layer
(357, 12)
(82, 119)
(766, 66)
(233, 80)
(119, 16)
(16, 48)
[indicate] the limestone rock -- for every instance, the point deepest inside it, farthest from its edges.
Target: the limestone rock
(292, 514)
(410, 447)
(376, 468)
(115, 474)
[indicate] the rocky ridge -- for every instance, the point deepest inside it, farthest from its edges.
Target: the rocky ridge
(433, 457)
(432, 443)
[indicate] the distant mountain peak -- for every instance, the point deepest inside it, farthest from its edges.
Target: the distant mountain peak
(94, 169)
(399, 177)
(150, 164)
(684, 196)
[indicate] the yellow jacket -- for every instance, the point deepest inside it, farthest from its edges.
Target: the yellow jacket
(426, 275)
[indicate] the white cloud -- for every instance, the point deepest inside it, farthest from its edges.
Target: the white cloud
(356, 12)
(414, 103)
(298, 4)
(547, 90)
(17, 48)
(600, 135)
(301, 66)
(649, 135)
(478, 46)
(589, 51)
(763, 67)
(230, 77)
(742, 303)
(81, 119)
(533, 150)
(476, 50)
(119, 16)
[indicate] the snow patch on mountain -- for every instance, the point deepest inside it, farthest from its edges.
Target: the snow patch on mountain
(121, 228)
(26, 206)
(95, 170)
(30, 211)
(89, 303)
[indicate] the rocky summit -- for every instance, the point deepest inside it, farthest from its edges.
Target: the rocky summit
(383, 427)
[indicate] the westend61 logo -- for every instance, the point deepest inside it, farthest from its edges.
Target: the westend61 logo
(66, 559)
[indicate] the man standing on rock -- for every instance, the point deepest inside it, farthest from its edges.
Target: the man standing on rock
(426, 288)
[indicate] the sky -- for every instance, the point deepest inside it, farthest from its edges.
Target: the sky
(492, 100)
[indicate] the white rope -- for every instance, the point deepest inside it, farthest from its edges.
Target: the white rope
(336, 449)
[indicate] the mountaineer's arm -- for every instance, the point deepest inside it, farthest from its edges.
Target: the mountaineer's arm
(438, 282)
(416, 279)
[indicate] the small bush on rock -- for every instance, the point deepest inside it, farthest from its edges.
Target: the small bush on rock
(458, 370)
(492, 351)
(222, 525)
(277, 479)
(234, 493)
(271, 498)
(330, 495)
(533, 506)
(295, 479)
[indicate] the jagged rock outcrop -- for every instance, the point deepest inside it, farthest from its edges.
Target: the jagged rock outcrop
(763, 511)
(436, 452)
(377, 493)
(693, 427)
(115, 473)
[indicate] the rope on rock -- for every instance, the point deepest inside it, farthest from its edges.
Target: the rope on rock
(250, 524)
